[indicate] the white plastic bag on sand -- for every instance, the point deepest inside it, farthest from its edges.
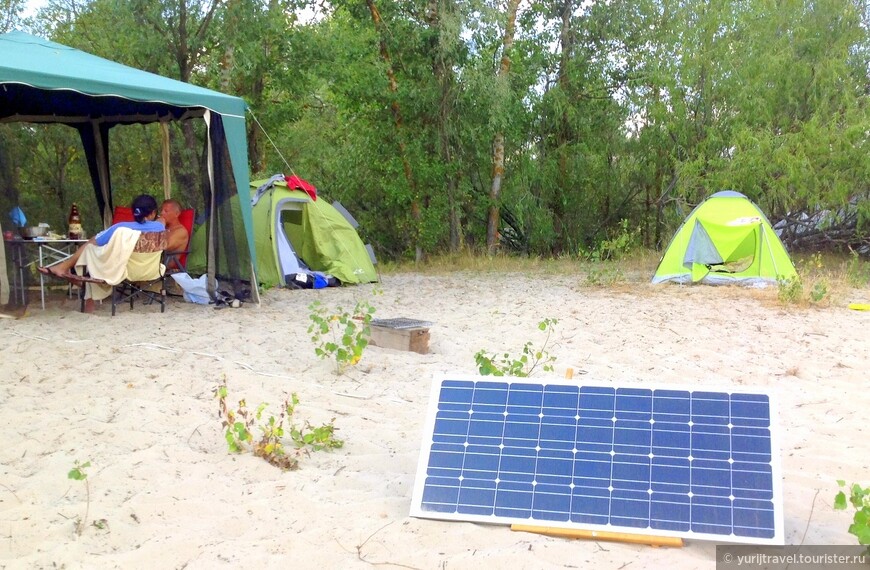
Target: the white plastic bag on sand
(195, 290)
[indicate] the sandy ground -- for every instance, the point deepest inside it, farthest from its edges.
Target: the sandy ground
(133, 395)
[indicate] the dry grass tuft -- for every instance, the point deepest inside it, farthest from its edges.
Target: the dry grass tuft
(638, 267)
(482, 263)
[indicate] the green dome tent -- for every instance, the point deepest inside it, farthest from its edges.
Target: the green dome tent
(726, 239)
(295, 232)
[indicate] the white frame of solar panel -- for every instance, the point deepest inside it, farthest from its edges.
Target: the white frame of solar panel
(427, 442)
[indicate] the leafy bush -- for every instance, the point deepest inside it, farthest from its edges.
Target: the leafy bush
(857, 271)
(616, 246)
(808, 286)
(507, 365)
(340, 335)
(240, 424)
(604, 274)
(789, 291)
(859, 497)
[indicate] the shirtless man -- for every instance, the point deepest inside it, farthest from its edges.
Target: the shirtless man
(177, 236)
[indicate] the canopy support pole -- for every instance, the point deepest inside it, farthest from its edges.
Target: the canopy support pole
(167, 175)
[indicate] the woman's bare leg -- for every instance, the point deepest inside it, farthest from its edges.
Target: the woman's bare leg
(64, 267)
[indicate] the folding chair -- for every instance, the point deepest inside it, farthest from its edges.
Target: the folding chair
(144, 272)
(174, 261)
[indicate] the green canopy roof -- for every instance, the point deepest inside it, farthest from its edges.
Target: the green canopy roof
(93, 85)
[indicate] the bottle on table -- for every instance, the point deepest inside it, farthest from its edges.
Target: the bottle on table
(75, 223)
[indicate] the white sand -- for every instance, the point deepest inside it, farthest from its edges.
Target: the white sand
(97, 388)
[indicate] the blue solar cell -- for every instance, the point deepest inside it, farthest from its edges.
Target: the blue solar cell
(629, 508)
(681, 462)
(558, 432)
(670, 512)
(753, 518)
(710, 408)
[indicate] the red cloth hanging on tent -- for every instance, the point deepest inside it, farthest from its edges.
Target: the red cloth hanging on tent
(296, 183)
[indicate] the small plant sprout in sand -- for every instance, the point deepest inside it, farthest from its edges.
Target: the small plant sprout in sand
(240, 425)
(859, 497)
(525, 364)
(78, 473)
(340, 335)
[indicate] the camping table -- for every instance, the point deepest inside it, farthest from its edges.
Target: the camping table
(40, 252)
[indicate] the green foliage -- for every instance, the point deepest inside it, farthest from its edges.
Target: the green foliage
(79, 473)
(759, 104)
(789, 291)
(240, 424)
(522, 365)
(604, 274)
(317, 438)
(859, 498)
(810, 285)
(819, 291)
(340, 335)
(857, 271)
(622, 242)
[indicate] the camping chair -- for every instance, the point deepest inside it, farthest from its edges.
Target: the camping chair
(144, 271)
(174, 261)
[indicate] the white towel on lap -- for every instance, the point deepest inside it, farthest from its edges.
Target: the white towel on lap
(107, 262)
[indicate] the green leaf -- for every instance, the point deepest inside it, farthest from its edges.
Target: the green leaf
(260, 409)
(862, 532)
(840, 501)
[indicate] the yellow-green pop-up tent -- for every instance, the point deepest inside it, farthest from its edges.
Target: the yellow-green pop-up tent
(726, 239)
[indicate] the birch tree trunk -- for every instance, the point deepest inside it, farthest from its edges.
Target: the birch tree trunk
(498, 139)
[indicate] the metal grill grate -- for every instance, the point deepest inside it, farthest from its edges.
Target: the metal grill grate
(401, 323)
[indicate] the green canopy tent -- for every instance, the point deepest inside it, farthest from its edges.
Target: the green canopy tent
(296, 232)
(726, 239)
(46, 82)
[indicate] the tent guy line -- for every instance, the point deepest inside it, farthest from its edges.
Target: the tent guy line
(152, 346)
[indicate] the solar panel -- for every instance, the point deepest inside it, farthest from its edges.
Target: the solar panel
(656, 461)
